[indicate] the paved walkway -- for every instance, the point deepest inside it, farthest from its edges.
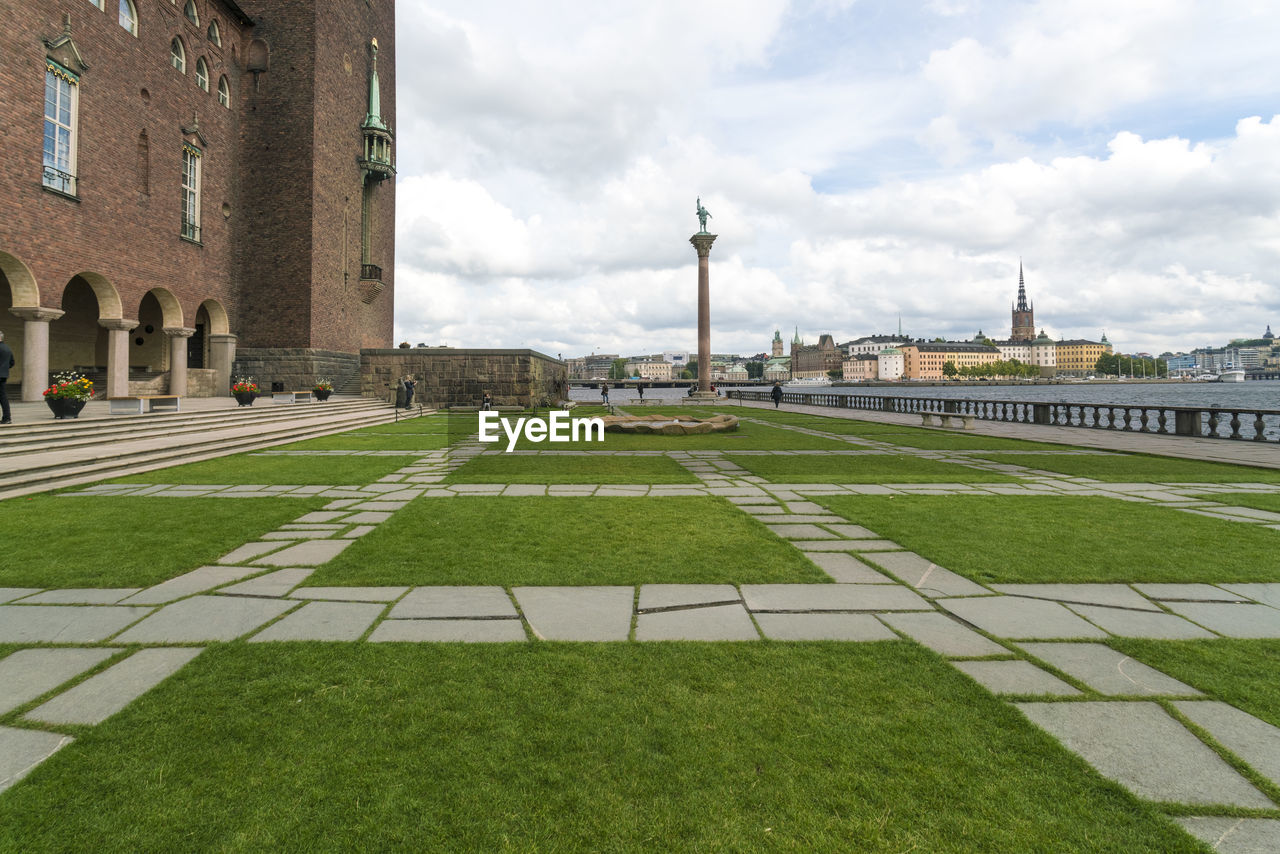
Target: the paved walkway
(1039, 645)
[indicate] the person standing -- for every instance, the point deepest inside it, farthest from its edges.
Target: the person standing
(409, 386)
(604, 394)
(486, 403)
(776, 394)
(6, 362)
(640, 388)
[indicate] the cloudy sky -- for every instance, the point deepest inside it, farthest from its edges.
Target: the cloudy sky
(861, 159)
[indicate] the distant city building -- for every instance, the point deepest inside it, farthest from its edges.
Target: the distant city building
(862, 367)
(778, 369)
(1041, 352)
(815, 360)
(598, 367)
(777, 343)
(1024, 315)
(678, 358)
(890, 364)
(1078, 357)
(924, 360)
(873, 344)
(650, 369)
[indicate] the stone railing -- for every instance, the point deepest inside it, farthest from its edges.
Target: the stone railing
(1258, 425)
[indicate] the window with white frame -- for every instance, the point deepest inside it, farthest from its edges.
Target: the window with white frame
(202, 74)
(178, 55)
(98, 3)
(129, 16)
(224, 92)
(190, 11)
(61, 90)
(215, 35)
(191, 192)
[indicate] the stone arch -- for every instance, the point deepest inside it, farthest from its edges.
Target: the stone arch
(170, 308)
(109, 304)
(219, 323)
(22, 285)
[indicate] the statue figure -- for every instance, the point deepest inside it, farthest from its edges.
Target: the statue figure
(703, 213)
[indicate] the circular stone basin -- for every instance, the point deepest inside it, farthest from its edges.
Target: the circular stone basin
(669, 425)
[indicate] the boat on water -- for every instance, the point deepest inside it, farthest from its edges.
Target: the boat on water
(1233, 376)
(811, 381)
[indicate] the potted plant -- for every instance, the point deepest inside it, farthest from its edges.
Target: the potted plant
(68, 394)
(244, 391)
(322, 389)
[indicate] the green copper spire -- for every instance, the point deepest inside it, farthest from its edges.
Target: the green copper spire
(374, 118)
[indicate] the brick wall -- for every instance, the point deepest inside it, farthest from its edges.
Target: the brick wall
(448, 377)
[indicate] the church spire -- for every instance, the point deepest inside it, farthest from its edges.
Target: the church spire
(1022, 290)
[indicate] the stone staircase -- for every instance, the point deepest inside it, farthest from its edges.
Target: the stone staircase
(51, 455)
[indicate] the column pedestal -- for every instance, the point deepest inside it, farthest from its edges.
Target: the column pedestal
(702, 243)
(178, 336)
(118, 330)
(35, 349)
(222, 352)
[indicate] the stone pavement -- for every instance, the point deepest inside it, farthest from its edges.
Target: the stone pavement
(1038, 645)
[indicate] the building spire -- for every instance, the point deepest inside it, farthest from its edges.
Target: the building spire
(373, 119)
(1022, 290)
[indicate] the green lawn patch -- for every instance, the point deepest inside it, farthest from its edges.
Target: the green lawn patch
(1125, 468)
(748, 437)
(1240, 672)
(861, 468)
(508, 468)
(1256, 500)
(898, 434)
(568, 747)
(570, 541)
(100, 541)
(276, 469)
(1035, 539)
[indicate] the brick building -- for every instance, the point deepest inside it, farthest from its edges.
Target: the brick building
(815, 360)
(196, 186)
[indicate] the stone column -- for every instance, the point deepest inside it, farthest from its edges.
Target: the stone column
(178, 336)
(222, 352)
(118, 330)
(35, 349)
(702, 243)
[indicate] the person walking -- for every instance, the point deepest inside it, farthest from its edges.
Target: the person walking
(409, 386)
(604, 394)
(640, 388)
(6, 362)
(776, 394)
(486, 403)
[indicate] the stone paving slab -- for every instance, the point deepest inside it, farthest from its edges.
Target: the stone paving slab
(8, 594)
(817, 627)
(1107, 671)
(312, 553)
(832, 597)
(454, 602)
(525, 489)
(577, 613)
(1189, 592)
(350, 594)
(206, 618)
(926, 576)
(368, 517)
(435, 631)
(1255, 741)
(1021, 619)
(1114, 595)
(851, 532)
(64, 623)
(805, 506)
(319, 517)
(713, 623)
(1141, 624)
(1267, 593)
(277, 536)
(943, 635)
(195, 581)
(21, 750)
(1234, 835)
(102, 695)
(684, 595)
(844, 568)
(1233, 620)
(277, 583)
(81, 596)
(1139, 746)
(380, 505)
(247, 552)
(28, 673)
(323, 621)
(1014, 676)
(845, 545)
(763, 509)
(801, 532)
(798, 519)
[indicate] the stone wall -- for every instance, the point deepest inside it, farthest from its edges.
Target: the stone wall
(449, 377)
(294, 368)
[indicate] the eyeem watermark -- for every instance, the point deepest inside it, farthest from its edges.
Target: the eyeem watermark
(556, 427)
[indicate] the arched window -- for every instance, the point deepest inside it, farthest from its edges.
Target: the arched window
(202, 74)
(97, 3)
(128, 16)
(224, 92)
(178, 55)
(190, 11)
(215, 35)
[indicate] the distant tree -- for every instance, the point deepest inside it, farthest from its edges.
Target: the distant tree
(836, 374)
(949, 369)
(686, 374)
(693, 369)
(618, 370)
(755, 370)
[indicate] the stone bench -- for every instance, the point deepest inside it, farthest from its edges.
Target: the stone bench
(291, 396)
(945, 418)
(144, 403)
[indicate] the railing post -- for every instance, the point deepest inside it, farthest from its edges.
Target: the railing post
(1186, 422)
(1041, 413)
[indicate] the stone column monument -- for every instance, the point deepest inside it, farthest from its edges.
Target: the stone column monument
(702, 243)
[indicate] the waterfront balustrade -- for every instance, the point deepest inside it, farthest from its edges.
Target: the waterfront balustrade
(1258, 425)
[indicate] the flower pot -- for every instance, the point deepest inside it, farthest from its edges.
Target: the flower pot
(322, 393)
(245, 398)
(65, 407)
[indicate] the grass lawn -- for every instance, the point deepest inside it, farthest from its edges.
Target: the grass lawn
(571, 541)
(520, 469)
(566, 747)
(1035, 539)
(102, 541)
(898, 434)
(1125, 468)
(273, 469)
(1257, 500)
(870, 468)
(1239, 672)
(426, 433)
(748, 437)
